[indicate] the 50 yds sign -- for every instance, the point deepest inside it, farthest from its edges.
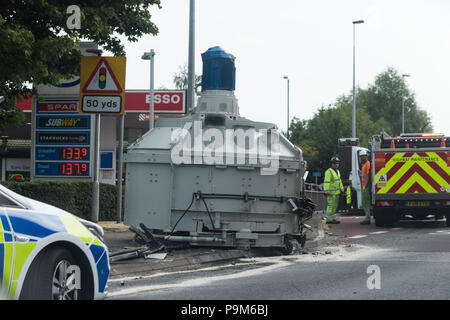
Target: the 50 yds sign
(103, 104)
(102, 84)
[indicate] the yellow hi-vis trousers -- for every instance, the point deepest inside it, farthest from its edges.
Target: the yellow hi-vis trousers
(332, 205)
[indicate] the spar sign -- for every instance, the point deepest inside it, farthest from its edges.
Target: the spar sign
(102, 85)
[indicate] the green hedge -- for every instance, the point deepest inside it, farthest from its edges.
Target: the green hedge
(72, 196)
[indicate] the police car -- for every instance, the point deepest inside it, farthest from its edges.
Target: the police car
(48, 253)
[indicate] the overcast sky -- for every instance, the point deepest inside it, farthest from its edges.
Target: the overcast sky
(309, 41)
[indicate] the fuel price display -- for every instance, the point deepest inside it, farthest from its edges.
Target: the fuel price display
(62, 161)
(75, 153)
(73, 169)
(63, 153)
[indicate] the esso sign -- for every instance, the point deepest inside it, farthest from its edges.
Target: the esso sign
(164, 98)
(165, 101)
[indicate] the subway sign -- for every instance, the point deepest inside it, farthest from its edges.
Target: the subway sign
(64, 122)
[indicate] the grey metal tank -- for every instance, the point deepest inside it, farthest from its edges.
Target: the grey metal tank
(213, 177)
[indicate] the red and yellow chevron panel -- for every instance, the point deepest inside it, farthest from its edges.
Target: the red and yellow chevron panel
(412, 172)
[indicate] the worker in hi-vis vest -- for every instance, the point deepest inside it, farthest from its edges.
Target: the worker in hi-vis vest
(333, 187)
(365, 192)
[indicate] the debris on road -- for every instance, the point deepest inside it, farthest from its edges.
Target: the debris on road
(158, 256)
(144, 237)
(332, 234)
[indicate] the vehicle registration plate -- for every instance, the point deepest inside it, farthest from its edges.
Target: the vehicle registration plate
(418, 203)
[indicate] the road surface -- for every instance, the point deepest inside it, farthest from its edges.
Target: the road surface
(410, 261)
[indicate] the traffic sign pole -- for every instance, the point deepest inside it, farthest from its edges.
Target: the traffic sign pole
(120, 170)
(96, 184)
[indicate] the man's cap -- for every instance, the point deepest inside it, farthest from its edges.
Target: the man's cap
(363, 153)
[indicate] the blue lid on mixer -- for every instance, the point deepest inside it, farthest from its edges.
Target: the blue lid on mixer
(219, 72)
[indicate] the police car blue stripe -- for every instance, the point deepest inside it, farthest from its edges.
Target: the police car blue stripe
(97, 252)
(5, 222)
(102, 272)
(8, 237)
(35, 224)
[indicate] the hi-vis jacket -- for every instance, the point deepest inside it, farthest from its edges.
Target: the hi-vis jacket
(332, 182)
(365, 174)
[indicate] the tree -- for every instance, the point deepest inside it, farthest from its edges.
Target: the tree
(37, 46)
(383, 100)
(299, 137)
(180, 79)
(377, 108)
(318, 137)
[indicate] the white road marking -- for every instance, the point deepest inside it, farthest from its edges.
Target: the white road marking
(203, 281)
(358, 236)
(378, 232)
(162, 274)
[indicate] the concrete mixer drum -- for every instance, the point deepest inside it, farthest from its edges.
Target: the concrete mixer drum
(215, 178)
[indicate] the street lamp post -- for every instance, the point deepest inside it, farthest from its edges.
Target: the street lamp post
(403, 103)
(151, 56)
(287, 130)
(354, 93)
(191, 58)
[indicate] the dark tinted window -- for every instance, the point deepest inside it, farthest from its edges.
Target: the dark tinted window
(6, 202)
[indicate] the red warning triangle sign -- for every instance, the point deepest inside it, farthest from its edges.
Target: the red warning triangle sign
(102, 80)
